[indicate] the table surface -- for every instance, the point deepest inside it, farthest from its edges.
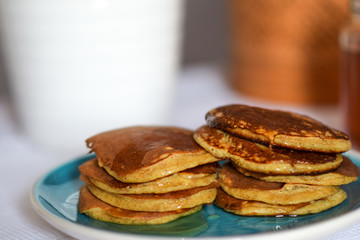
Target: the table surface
(200, 88)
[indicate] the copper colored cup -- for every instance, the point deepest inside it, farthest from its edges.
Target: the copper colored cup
(286, 50)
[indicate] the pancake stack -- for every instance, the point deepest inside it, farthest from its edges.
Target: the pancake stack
(146, 175)
(279, 163)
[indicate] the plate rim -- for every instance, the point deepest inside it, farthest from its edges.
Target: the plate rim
(77, 230)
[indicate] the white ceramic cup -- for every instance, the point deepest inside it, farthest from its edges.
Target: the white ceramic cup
(79, 67)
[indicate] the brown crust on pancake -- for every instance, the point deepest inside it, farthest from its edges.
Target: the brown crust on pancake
(92, 169)
(347, 172)
(129, 149)
(157, 202)
(230, 203)
(259, 158)
(252, 189)
(174, 195)
(254, 208)
(348, 168)
(95, 208)
(232, 178)
(277, 128)
(194, 177)
(171, 195)
(125, 152)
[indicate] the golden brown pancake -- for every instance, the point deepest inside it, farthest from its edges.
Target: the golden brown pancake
(158, 202)
(259, 158)
(347, 172)
(249, 188)
(254, 208)
(97, 209)
(278, 128)
(142, 154)
(195, 177)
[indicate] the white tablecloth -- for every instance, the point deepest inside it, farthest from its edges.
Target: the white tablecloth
(23, 162)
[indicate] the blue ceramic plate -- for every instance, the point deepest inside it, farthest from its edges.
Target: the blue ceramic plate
(55, 198)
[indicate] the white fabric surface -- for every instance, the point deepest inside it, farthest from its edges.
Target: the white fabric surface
(23, 162)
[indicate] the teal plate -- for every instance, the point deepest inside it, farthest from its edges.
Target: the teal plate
(55, 198)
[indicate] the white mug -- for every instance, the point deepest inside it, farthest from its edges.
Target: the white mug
(79, 67)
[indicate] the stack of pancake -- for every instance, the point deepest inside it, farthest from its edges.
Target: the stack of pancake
(146, 175)
(280, 163)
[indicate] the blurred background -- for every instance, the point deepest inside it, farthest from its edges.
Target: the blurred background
(167, 66)
(205, 38)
